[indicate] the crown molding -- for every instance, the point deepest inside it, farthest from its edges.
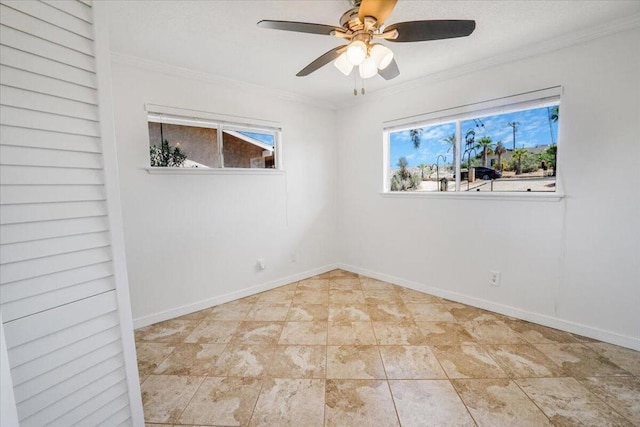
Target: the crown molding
(204, 77)
(624, 24)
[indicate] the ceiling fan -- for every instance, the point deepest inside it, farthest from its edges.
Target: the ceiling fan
(363, 24)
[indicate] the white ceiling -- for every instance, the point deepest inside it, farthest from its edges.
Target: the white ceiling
(221, 37)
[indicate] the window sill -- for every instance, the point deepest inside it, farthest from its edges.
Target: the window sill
(464, 195)
(212, 171)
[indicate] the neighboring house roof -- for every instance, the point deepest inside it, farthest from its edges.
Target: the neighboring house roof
(250, 140)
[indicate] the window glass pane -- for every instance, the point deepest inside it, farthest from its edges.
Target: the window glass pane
(248, 149)
(423, 159)
(514, 151)
(183, 146)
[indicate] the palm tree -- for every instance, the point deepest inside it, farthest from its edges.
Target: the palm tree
(422, 168)
(554, 113)
(485, 144)
(500, 150)
(415, 135)
(451, 139)
(519, 154)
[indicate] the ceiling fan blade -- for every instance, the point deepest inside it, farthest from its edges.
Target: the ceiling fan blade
(417, 31)
(322, 60)
(300, 27)
(379, 9)
(391, 71)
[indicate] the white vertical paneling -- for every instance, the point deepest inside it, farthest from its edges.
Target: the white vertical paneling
(60, 303)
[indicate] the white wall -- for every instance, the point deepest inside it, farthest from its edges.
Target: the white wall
(572, 264)
(193, 241)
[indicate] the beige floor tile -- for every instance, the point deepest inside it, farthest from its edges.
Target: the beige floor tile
(415, 297)
(298, 361)
(348, 313)
(150, 355)
(371, 284)
(359, 403)
(164, 397)
(191, 359)
(430, 313)
(303, 296)
(277, 296)
(429, 403)
(346, 297)
(578, 360)
(258, 332)
(169, 331)
(466, 313)
(268, 311)
(231, 311)
(224, 401)
(354, 362)
(627, 359)
(351, 333)
(307, 312)
(538, 334)
(304, 333)
(445, 333)
(411, 362)
(384, 295)
(314, 285)
(213, 332)
(383, 312)
(499, 403)
(468, 361)
(398, 333)
(567, 402)
(335, 274)
(493, 332)
(290, 402)
(244, 360)
(621, 393)
(524, 361)
(345, 283)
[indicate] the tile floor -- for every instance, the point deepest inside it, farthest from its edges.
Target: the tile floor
(345, 350)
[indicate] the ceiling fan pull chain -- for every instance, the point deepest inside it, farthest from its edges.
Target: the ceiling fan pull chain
(355, 84)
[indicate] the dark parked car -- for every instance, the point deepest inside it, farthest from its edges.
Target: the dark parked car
(487, 173)
(482, 173)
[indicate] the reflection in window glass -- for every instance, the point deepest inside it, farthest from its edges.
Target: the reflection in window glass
(183, 146)
(248, 149)
(183, 142)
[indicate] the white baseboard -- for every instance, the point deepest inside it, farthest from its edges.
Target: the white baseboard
(552, 322)
(231, 296)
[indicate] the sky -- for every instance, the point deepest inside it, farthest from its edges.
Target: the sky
(262, 137)
(534, 129)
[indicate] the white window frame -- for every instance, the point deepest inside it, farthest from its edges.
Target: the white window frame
(220, 122)
(523, 101)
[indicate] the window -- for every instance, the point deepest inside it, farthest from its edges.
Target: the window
(498, 146)
(184, 142)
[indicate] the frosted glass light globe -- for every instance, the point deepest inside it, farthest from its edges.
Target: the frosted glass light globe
(357, 52)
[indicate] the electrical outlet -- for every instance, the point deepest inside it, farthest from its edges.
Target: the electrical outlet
(261, 264)
(494, 278)
(294, 258)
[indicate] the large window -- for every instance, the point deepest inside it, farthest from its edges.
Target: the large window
(183, 142)
(506, 148)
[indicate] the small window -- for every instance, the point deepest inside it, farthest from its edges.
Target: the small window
(182, 142)
(512, 148)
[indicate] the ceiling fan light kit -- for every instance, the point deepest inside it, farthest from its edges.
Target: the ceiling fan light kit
(364, 23)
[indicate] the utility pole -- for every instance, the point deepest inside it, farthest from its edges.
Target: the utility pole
(514, 125)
